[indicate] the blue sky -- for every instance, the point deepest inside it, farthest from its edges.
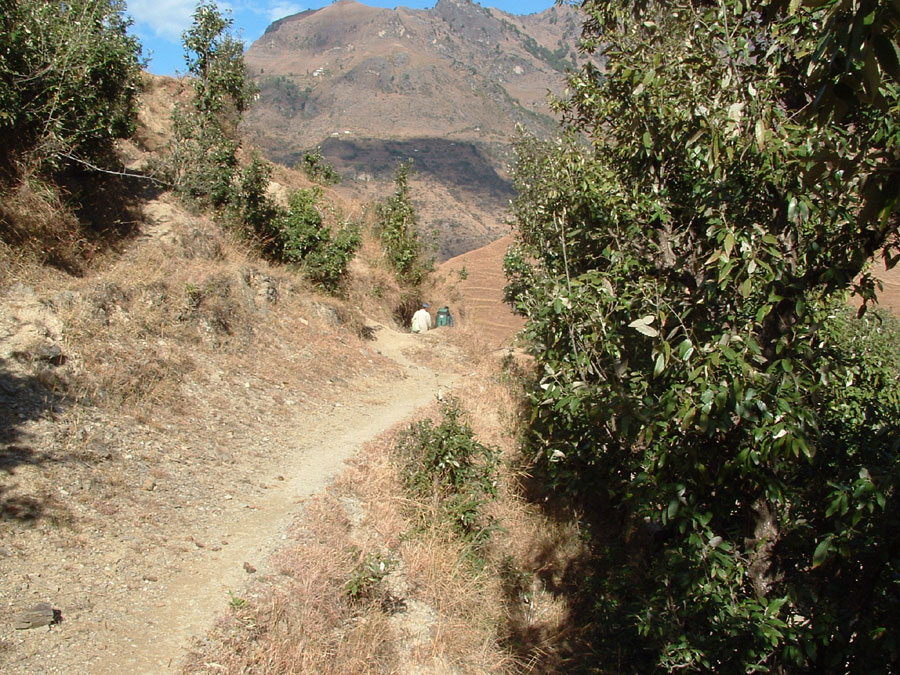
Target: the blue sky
(159, 23)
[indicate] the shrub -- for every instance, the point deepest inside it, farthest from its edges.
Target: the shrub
(304, 238)
(69, 79)
(397, 227)
(301, 231)
(844, 517)
(253, 209)
(678, 273)
(317, 169)
(445, 461)
(297, 234)
(365, 580)
(204, 160)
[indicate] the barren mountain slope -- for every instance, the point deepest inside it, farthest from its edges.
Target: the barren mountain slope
(445, 86)
(403, 73)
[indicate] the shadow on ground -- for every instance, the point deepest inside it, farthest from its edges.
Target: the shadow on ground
(596, 562)
(66, 221)
(460, 165)
(23, 399)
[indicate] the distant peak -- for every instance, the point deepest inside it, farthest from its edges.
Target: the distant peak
(351, 7)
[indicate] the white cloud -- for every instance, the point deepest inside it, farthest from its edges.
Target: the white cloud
(167, 18)
(282, 9)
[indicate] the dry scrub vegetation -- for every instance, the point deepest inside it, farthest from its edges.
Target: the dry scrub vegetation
(143, 403)
(376, 580)
(146, 402)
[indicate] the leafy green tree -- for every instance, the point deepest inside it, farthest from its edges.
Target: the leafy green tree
(215, 60)
(397, 227)
(678, 274)
(303, 237)
(206, 130)
(69, 79)
(316, 168)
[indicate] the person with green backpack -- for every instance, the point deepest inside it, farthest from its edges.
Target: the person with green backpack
(444, 318)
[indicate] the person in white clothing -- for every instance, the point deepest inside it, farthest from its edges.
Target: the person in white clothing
(421, 320)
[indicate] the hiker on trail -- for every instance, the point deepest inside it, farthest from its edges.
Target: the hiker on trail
(444, 318)
(421, 320)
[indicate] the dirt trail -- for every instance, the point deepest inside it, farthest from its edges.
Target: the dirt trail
(153, 634)
(156, 638)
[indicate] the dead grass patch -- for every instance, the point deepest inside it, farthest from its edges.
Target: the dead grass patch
(302, 620)
(182, 361)
(36, 223)
(444, 604)
(140, 331)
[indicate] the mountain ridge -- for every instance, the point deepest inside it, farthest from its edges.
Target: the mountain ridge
(373, 87)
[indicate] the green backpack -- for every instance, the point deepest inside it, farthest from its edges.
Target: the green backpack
(443, 317)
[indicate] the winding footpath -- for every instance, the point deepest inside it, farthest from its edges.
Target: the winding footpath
(193, 579)
(157, 638)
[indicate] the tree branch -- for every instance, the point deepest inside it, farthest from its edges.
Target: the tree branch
(124, 174)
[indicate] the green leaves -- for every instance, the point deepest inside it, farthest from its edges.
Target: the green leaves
(204, 151)
(659, 365)
(69, 80)
(445, 463)
(215, 59)
(644, 327)
(298, 234)
(397, 228)
(821, 552)
(317, 169)
(676, 274)
(205, 166)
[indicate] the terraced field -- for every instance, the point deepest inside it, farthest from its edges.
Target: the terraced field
(483, 291)
(890, 294)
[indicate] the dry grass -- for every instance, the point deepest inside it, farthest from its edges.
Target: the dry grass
(187, 366)
(169, 337)
(169, 313)
(158, 97)
(301, 621)
(177, 353)
(444, 606)
(37, 227)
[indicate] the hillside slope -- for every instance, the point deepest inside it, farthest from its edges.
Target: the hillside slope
(481, 282)
(160, 417)
(161, 414)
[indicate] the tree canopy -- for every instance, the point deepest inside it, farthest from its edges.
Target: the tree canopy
(69, 78)
(397, 227)
(723, 180)
(204, 157)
